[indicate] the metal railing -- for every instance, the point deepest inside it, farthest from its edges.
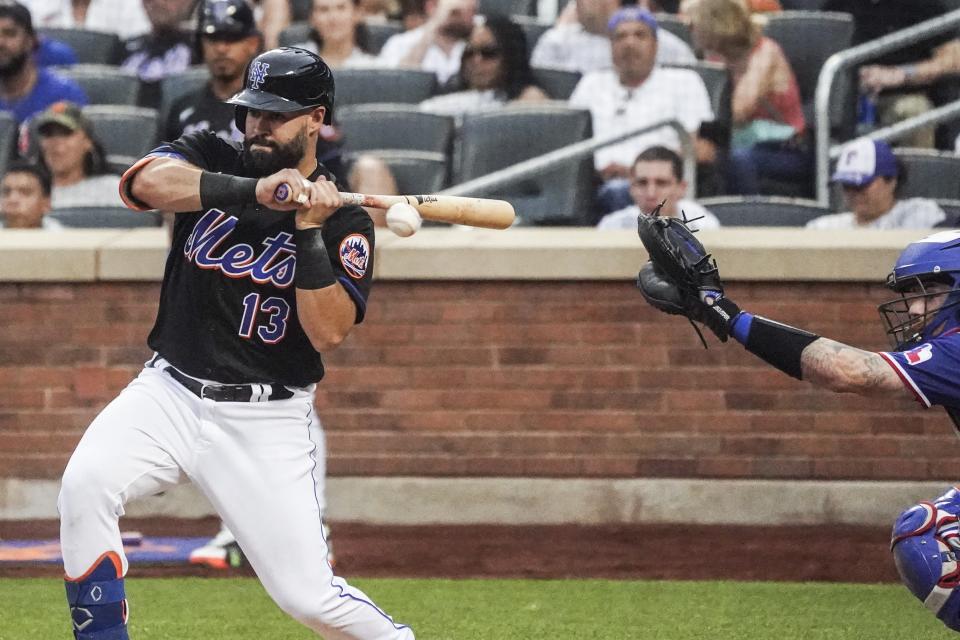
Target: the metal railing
(950, 111)
(576, 151)
(839, 62)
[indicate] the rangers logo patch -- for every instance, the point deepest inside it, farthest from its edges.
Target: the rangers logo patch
(919, 354)
(355, 255)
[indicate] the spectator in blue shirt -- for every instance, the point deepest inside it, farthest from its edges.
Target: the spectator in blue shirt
(25, 88)
(54, 53)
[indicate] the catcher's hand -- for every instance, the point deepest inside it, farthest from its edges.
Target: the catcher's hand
(680, 277)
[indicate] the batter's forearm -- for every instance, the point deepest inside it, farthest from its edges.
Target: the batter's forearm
(167, 185)
(327, 315)
(840, 367)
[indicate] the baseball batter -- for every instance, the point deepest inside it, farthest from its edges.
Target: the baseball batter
(254, 289)
(923, 323)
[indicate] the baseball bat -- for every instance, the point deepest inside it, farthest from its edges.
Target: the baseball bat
(474, 212)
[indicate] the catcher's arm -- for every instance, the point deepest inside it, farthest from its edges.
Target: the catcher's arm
(681, 279)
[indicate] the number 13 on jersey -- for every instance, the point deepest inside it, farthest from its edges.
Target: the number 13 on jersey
(268, 318)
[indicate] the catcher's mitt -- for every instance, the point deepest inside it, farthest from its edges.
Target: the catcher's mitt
(681, 278)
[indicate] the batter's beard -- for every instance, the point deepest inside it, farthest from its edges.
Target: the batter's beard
(282, 156)
(14, 65)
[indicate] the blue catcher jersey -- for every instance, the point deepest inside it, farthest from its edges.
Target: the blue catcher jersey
(931, 371)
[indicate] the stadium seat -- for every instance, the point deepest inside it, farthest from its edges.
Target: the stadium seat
(808, 38)
(172, 87)
(104, 84)
(124, 130)
(91, 47)
(105, 217)
(533, 28)
(359, 86)
(803, 5)
(507, 7)
(763, 211)
(492, 140)
(952, 209)
(415, 171)
(929, 174)
(119, 164)
(394, 126)
(296, 33)
(675, 25)
(379, 32)
(9, 131)
(717, 81)
(556, 83)
(300, 10)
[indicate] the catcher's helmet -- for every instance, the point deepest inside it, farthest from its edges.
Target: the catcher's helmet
(284, 80)
(934, 259)
(925, 546)
(226, 19)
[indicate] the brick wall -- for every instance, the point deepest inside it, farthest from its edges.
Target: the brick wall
(505, 379)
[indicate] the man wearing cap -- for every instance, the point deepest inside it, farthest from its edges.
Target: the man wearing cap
(634, 93)
(70, 151)
(870, 174)
(583, 44)
(25, 88)
(229, 40)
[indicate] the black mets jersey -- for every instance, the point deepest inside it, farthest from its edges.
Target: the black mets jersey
(228, 309)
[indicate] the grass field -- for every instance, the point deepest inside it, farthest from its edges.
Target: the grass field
(239, 609)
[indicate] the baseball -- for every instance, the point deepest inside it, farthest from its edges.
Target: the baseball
(403, 219)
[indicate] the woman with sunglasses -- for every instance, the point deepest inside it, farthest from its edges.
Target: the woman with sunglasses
(495, 71)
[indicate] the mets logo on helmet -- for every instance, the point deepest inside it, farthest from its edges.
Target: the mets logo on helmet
(258, 72)
(354, 255)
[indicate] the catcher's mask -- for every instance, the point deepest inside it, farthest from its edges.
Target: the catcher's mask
(285, 80)
(932, 260)
(925, 545)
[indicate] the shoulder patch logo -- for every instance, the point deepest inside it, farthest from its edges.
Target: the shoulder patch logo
(355, 255)
(919, 354)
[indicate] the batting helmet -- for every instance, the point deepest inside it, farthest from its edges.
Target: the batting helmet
(925, 546)
(226, 19)
(284, 80)
(934, 259)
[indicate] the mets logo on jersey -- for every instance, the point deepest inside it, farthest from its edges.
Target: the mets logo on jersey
(258, 72)
(355, 255)
(919, 354)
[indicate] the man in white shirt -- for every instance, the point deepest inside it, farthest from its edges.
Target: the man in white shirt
(657, 176)
(25, 198)
(869, 174)
(634, 93)
(584, 45)
(126, 18)
(437, 45)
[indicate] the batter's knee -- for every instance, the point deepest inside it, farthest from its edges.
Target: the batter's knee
(84, 488)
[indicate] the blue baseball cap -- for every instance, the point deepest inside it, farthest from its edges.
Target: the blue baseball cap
(632, 14)
(864, 160)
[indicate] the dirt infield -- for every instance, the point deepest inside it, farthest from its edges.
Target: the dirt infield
(689, 552)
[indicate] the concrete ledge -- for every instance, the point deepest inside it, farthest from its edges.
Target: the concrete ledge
(548, 501)
(744, 253)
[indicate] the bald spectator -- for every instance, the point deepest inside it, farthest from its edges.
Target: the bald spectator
(580, 41)
(870, 176)
(437, 45)
(25, 88)
(126, 18)
(25, 198)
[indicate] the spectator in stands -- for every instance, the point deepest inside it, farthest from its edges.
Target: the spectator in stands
(25, 198)
(495, 71)
(229, 40)
(126, 18)
(413, 14)
(26, 89)
(768, 122)
(870, 176)
(339, 34)
(167, 50)
(70, 151)
(580, 40)
(437, 45)
(908, 80)
(634, 93)
(273, 16)
(657, 176)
